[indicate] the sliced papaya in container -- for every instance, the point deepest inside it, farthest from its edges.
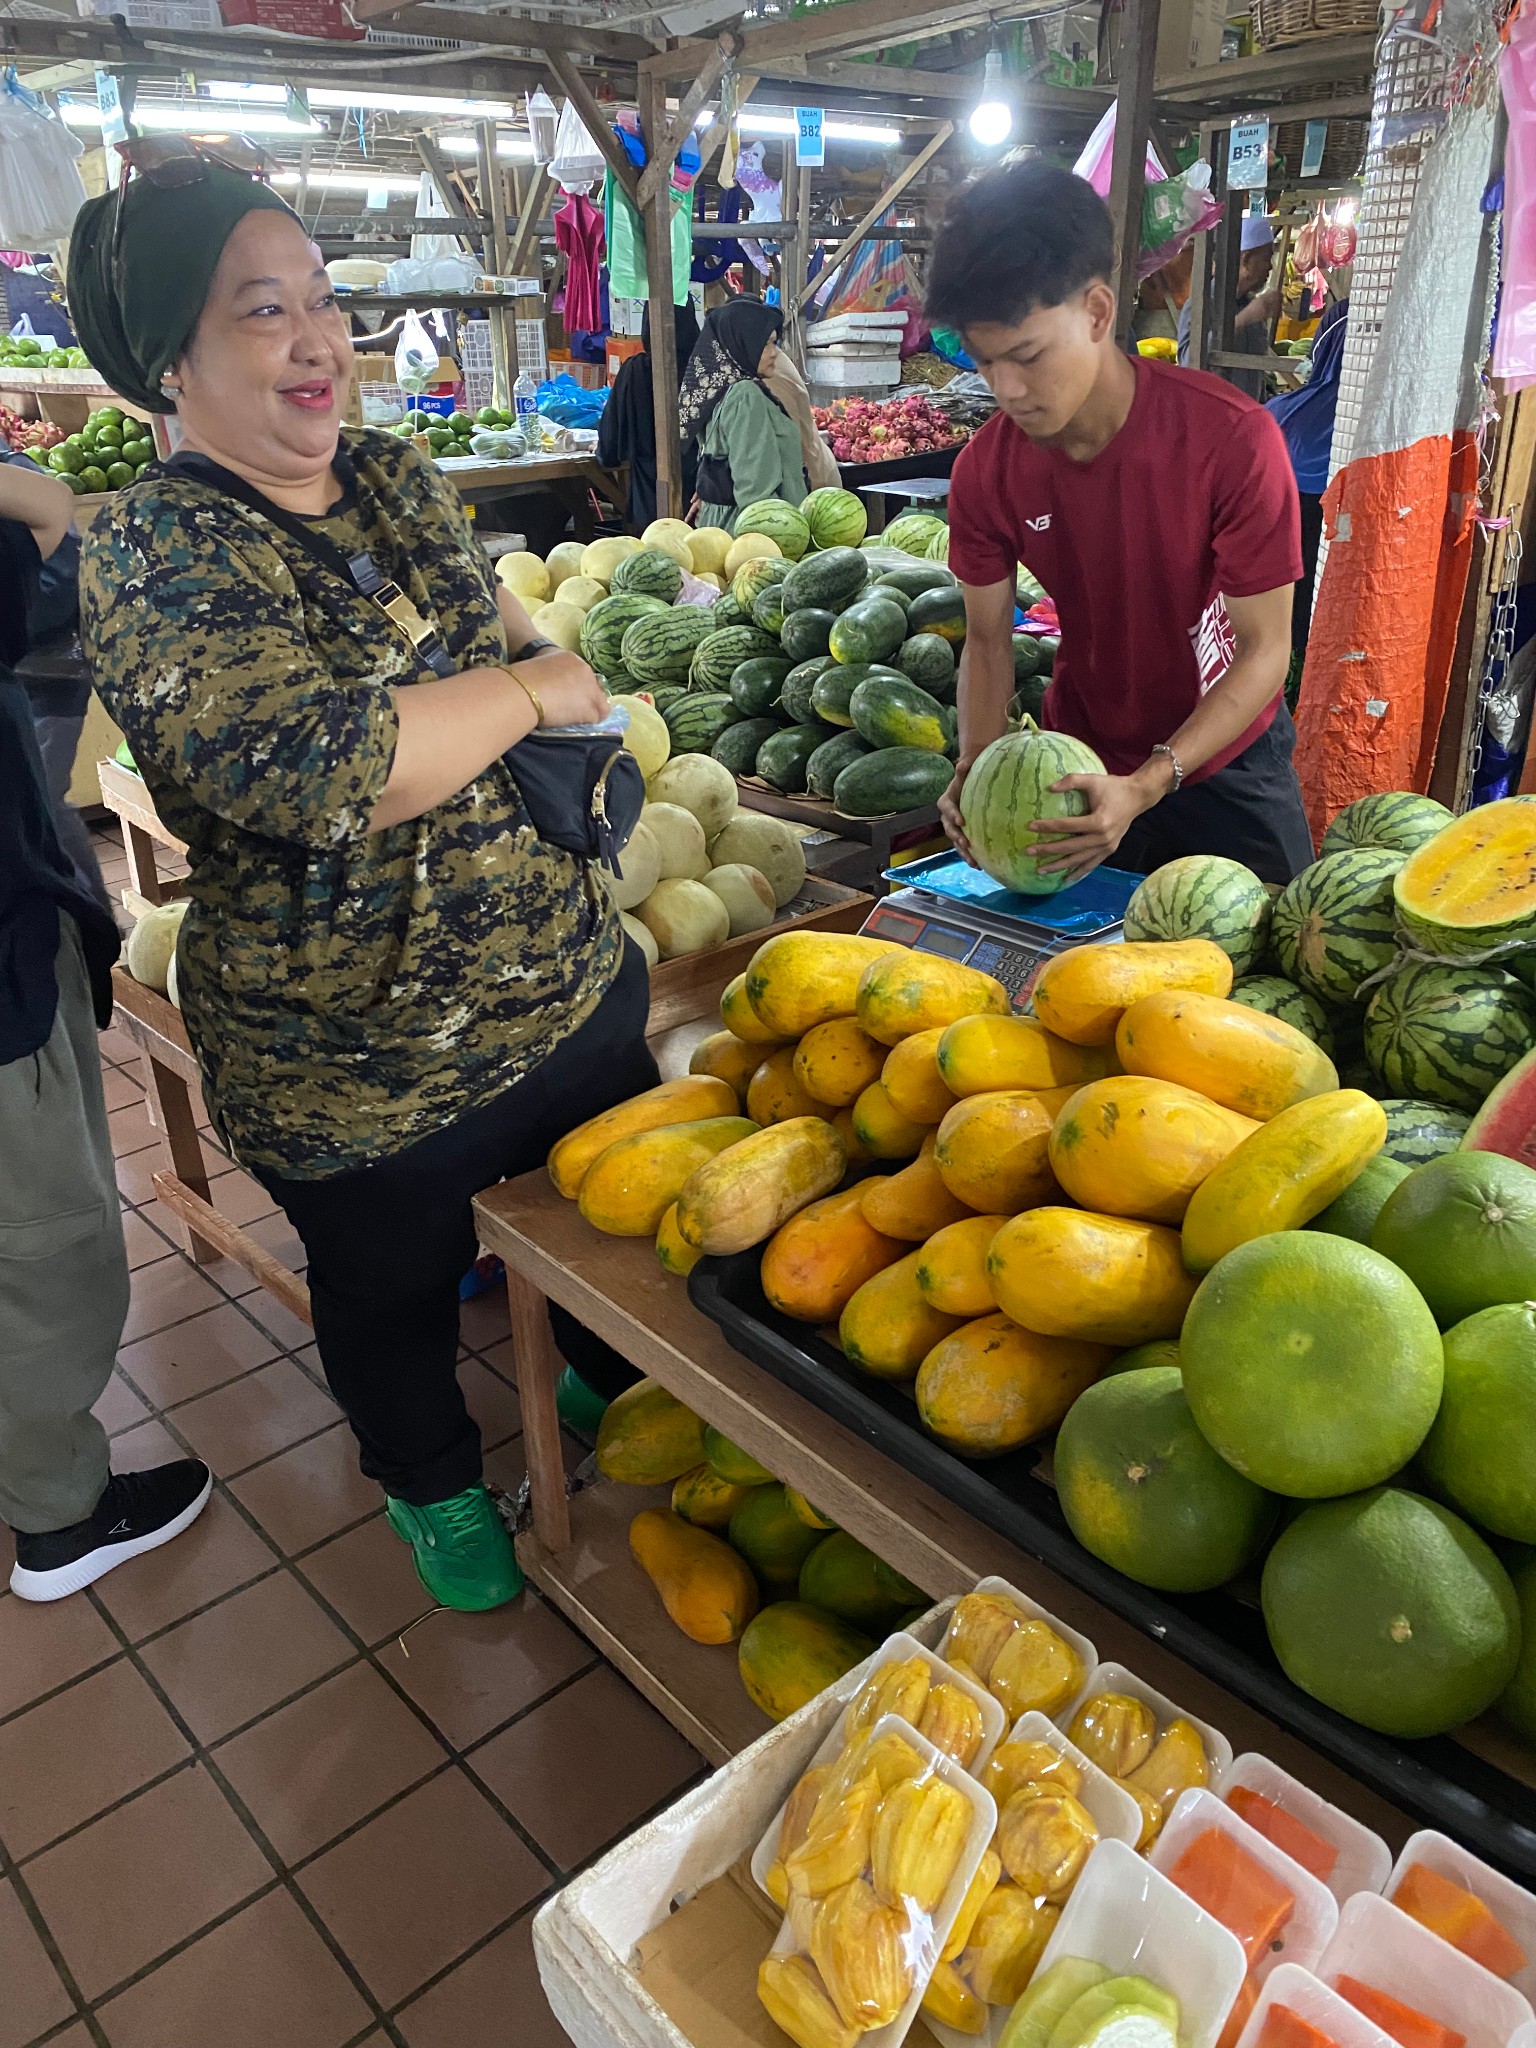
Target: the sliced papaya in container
(1284, 2029)
(1411, 2029)
(1304, 1845)
(1459, 1917)
(1235, 1889)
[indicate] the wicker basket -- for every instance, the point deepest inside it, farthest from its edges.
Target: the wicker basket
(1278, 22)
(1345, 147)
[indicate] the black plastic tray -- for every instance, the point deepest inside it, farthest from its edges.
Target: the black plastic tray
(1438, 1781)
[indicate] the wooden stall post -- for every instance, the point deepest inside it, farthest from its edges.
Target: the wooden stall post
(538, 1368)
(888, 197)
(493, 205)
(1127, 176)
(657, 215)
(1200, 272)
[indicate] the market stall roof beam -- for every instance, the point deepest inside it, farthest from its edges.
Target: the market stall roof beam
(851, 25)
(473, 26)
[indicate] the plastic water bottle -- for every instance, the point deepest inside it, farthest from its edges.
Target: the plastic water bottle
(525, 399)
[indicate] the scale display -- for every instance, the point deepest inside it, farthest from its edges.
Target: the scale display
(943, 906)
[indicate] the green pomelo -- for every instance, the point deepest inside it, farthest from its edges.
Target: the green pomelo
(1008, 788)
(1161, 1351)
(848, 1580)
(1463, 1228)
(1336, 924)
(1479, 1454)
(1203, 896)
(1311, 1363)
(1353, 1214)
(1389, 1609)
(1448, 1034)
(1143, 1490)
(1516, 1706)
(772, 1538)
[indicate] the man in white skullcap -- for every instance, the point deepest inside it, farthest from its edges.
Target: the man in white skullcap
(1257, 304)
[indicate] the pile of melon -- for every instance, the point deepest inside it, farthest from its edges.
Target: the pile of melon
(150, 952)
(560, 588)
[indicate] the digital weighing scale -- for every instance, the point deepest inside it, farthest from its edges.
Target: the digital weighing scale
(941, 905)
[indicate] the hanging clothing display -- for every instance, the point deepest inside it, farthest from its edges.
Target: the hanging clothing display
(579, 238)
(626, 243)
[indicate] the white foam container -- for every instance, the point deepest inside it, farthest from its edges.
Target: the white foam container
(1311, 1926)
(1115, 1678)
(925, 1943)
(1379, 1946)
(894, 1650)
(834, 371)
(1303, 1994)
(1364, 1858)
(1508, 1901)
(1117, 1817)
(1127, 1916)
(855, 327)
(1086, 1650)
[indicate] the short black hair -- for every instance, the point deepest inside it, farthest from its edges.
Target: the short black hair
(1025, 235)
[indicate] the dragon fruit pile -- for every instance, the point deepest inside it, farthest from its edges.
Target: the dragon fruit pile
(864, 430)
(23, 434)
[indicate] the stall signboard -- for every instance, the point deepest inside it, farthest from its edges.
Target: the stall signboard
(1248, 156)
(810, 142)
(1312, 148)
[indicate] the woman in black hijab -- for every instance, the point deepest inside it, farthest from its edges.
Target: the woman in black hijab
(746, 445)
(627, 432)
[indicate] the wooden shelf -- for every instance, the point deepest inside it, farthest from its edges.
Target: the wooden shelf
(598, 1586)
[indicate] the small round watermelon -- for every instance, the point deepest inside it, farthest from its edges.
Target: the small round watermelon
(650, 573)
(1203, 896)
(1417, 1131)
(1009, 786)
(697, 720)
(781, 522)
(1277, 997)
(929, 660)
(836, 518)
(913, 533)
(1448, 1034)
(1395, 819)
(1336, 924)
(603, 629)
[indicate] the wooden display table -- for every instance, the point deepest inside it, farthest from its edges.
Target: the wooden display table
(567, 478)
(577, 1551)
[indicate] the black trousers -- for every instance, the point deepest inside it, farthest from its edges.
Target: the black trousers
(389, 1244)
(1250, 810)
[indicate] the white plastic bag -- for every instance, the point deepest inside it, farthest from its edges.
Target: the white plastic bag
(40, 188)
(577, 163)
(431, 205)
(415, 355)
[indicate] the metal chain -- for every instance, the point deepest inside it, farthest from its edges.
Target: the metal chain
(1500, 651)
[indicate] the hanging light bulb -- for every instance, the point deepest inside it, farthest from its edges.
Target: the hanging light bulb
(991, 120)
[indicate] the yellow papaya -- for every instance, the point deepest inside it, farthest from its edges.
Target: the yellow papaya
(742, 1021)
(1284, 1175)
(990, 1386)
(774, 1093)
(1241, 1058)
(648, 1438)
(879, 1128)
(980, 1054)
(909, 991)
(1133, 1147)
(1083, 993)
(993, 1152)
(815, 1263)
(914, 1203)
(790, 1652)
(705, 1587)
(798, 979)
(912, 1079)
(812, 1517)
(629, 1188)
(729, 1058)
(888, 1329)
(952, 1267)
(1105, 1279)
(706, 1500)
(836, 1061)
(688, 1100)
(766, 1179)
(673, 1253)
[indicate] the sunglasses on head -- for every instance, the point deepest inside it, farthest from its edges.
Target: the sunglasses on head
(173, 161)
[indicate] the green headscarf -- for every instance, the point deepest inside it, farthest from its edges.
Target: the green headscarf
(135, 297)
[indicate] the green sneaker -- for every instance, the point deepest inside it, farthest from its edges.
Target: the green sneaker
(464, 1556)
(579, 1406)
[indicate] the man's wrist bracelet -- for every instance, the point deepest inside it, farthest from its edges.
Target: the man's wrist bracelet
(1174, 763)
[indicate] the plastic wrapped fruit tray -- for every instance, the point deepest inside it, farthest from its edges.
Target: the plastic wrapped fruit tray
(1439, 1781)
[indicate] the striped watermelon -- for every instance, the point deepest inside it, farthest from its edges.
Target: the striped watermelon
(837, 519)
(768, 609)
(1395, 819)
(1417, 1131)
(1448, 1034)
(720, 653)
(725, 611)
(1277, 997)
(781, 523)
(1010, 784)
(1472, 888)
(1203, 896)
(937, 549)
(1335, 924)
(697, 721)
(754, 577)
(659, 649)
(651, 573)
(604, 627)
(914, 532)
(830, 580)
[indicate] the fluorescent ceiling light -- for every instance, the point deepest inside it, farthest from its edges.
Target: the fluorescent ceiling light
(378, 102)
(321, 182)
(834, 130)
(991, 121)
(520, 146)
(195, 117)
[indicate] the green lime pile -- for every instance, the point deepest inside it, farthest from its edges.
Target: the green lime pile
(108, 452)
(25, 352)
(450, 435)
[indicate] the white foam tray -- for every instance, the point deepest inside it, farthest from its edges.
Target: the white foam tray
(1364, 1858)
(1508, 1901)
(1378, 1945)
(1303, 1994)
(1311, 1926)
(1115, 1678)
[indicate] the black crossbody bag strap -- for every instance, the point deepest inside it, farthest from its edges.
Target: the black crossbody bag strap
(360, 570)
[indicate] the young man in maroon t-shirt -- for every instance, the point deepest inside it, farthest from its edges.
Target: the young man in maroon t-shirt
(1158, 508)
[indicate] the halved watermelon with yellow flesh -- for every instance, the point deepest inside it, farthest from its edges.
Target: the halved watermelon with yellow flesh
(1472, 888)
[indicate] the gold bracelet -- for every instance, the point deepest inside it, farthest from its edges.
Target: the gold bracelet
(529, 691)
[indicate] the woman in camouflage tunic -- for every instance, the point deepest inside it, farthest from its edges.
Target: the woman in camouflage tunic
(398, 993)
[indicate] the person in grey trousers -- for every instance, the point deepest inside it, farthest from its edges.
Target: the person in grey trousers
(63, 1267)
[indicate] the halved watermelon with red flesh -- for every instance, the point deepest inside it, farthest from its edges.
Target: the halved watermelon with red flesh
(1507, 1120)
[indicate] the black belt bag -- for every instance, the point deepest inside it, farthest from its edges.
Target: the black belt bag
(583, 791)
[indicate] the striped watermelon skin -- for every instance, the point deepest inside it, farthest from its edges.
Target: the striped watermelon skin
(1396, 819)
(1336, 923)
(1204, 896)
(1277, 997)
(836, 518)
(660, 648)
(725, 611)
(651, 574)
(1010, 784)
(781, 522)
(1448, 1034)
(754, 577)
(720, 653)
(1417, 1131)
(697, 721)
(604, 627)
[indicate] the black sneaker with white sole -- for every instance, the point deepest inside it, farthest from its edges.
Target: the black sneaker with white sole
(138, 1511)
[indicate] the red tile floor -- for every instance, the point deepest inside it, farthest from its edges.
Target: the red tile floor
(238, 1806)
